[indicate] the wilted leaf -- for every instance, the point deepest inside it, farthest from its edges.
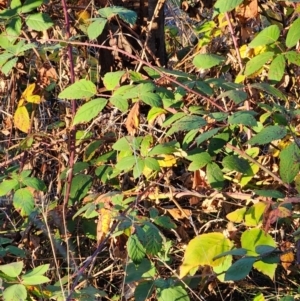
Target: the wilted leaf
(103, 225)
(132, 122)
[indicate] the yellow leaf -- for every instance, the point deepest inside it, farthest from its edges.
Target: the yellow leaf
(21, 119)
(237, 216)
(202, 250)
(28, 95)
(166, 161)
(103, 225)
(83, 17)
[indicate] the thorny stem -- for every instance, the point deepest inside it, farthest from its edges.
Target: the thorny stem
(162, 73)
(100, 247)
(72, 135)
(234, 41)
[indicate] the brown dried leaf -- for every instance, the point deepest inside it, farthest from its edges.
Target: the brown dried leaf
(287, 258)
(132, 122)
(248, 9)
(179, 214)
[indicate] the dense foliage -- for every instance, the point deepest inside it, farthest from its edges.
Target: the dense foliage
(150, 182)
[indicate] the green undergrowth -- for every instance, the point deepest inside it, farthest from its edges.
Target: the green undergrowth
(160, 184)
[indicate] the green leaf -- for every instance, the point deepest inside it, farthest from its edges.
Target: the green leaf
(233, 162)
(162, 149)
(153, 239)
(223, 6)
(29, 5)
(245, 118)
(125, 14)
(135, 272)
(39, 21)
(119, 102)
(269, 89)
(268, 134)
(289, 163)
(15, 292)
(96, 28)
(127, 143)
(240, 269)
(187, 123)
(126, 163)
(151, 99)
(257, 62)
(277, 68)
(111, 80)
(8, 185)
(12, 269)
(206, 136)
(269, 193)
(236, 95)
(13, 28)
(138, 167)
(237, 216)
(267, 36)
(35, 183)
(89, 110)
(202, 250)
(91, 149)
(214, 176)
(79, 187)
(34, 280)
(293, 57)
(172, 293)
(7, 67)
(143, 291)
(293, 34)
(207, 61)
(80, 89)
(152, 164)
(40, 270)
(165, 222)
(78, 167)
(254, 215)
(199, 161)
(23, 200)
(135, 249)
(234, 252)
(250, 240)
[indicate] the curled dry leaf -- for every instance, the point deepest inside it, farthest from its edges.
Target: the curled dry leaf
(179, 214)
(132, 122)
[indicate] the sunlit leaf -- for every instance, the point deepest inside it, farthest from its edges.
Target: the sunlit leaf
(202, 250)
(23, 200)
(206, 61)
(266, 36)
(268, 134)
(257, 62)
(250, 240)
(89, 110)
(293, 34)
(80, 89)
(21, 119)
